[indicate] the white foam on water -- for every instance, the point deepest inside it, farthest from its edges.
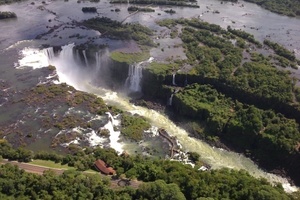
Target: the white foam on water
(33, 58)
(114, 135)
(94, 139)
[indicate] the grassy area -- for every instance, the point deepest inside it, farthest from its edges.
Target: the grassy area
(50, 164)
(130, 57)
(162, 68)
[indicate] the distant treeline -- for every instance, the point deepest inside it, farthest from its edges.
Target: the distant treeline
(158, 2)
(287, 7)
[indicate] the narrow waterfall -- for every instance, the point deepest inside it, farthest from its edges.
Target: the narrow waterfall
(173, 80)
(49, 52)
(98, 63)
(170, 101)
(77, 56)
(135, 76)
(85, 58)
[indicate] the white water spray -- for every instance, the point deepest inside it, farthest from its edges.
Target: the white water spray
(49, 52)
(134, 77)
(85, 58)
(215, 157)
(114, 135)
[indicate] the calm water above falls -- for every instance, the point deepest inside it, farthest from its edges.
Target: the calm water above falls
(33, 21)
(36, 19)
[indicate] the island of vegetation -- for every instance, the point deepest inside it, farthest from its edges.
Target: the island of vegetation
(288, 7)
(89, 9)
(114, 29)
(182, 3)
(7, 15)
(140, 9)
(171, 11)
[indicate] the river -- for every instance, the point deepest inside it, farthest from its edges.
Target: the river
(38, 18)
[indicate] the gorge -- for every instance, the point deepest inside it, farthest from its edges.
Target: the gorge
(166, 70)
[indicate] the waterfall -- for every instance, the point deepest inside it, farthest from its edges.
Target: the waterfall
(67, 54)
(185, 81)
(114, 135)
(173, 80)
(98, 63)
(215, 157)
(49, 53)
(85, 58)
(77, 56)
(135, 76)
(170, 101)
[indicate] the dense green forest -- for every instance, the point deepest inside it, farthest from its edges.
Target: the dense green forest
(285, 7)
(266, 135)
(163, 179)
(115, 29)
(219, 61)
(241, 96)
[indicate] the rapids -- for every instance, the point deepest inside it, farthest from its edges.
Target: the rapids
(72, 73)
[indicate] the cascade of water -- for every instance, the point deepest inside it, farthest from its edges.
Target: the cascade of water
(170, 101)
(135, 76)
(85, 58)
(173, 80)
(49, 52)
(114, 135)
(98, 64)
(77, 56)
(185, 81)
(66, 53)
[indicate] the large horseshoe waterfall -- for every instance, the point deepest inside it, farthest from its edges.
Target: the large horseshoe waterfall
(70, 71)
